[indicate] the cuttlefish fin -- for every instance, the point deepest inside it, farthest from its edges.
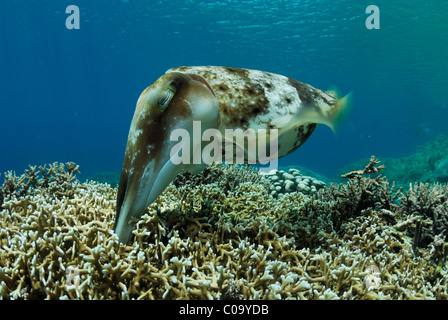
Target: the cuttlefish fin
(331, 116)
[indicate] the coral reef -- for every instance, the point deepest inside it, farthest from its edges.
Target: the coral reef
(426, 210)
(429, 163)
(222, 235)
(227, 177)
(422, 211)
(282, 182)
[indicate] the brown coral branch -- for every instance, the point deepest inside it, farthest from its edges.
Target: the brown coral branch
(370, 168)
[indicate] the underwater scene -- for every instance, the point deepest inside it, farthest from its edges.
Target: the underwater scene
(223, 150)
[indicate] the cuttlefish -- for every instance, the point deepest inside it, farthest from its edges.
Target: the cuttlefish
(220, 99)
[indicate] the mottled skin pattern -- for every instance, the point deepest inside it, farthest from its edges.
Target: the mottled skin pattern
(262, 100)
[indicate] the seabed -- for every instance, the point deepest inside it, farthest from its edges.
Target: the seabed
(227, 233)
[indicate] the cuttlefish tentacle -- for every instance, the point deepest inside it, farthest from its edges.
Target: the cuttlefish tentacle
(219, 98)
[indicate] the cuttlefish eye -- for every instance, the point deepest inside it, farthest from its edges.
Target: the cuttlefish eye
(163, 102)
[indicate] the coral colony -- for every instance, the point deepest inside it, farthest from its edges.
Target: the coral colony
(227, 233)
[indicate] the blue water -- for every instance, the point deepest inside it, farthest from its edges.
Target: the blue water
(69, 95)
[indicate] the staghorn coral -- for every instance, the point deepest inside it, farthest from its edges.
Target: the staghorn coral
(207, 241)
(426, 209)
(56, 180)
(361, 192)
(228, 177)
(422, 211)
(428, 163)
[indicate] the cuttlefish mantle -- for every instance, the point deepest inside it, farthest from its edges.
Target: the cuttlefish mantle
(220, 99)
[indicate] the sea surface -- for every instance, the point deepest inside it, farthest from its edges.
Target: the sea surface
(69, 94)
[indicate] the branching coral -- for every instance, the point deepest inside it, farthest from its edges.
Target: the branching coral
(428, 163)
(209, 238)
(426, 210)
(227, 177)
(361, 192)
(56, 180)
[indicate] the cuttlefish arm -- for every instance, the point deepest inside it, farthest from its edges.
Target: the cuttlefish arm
(173, 102)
